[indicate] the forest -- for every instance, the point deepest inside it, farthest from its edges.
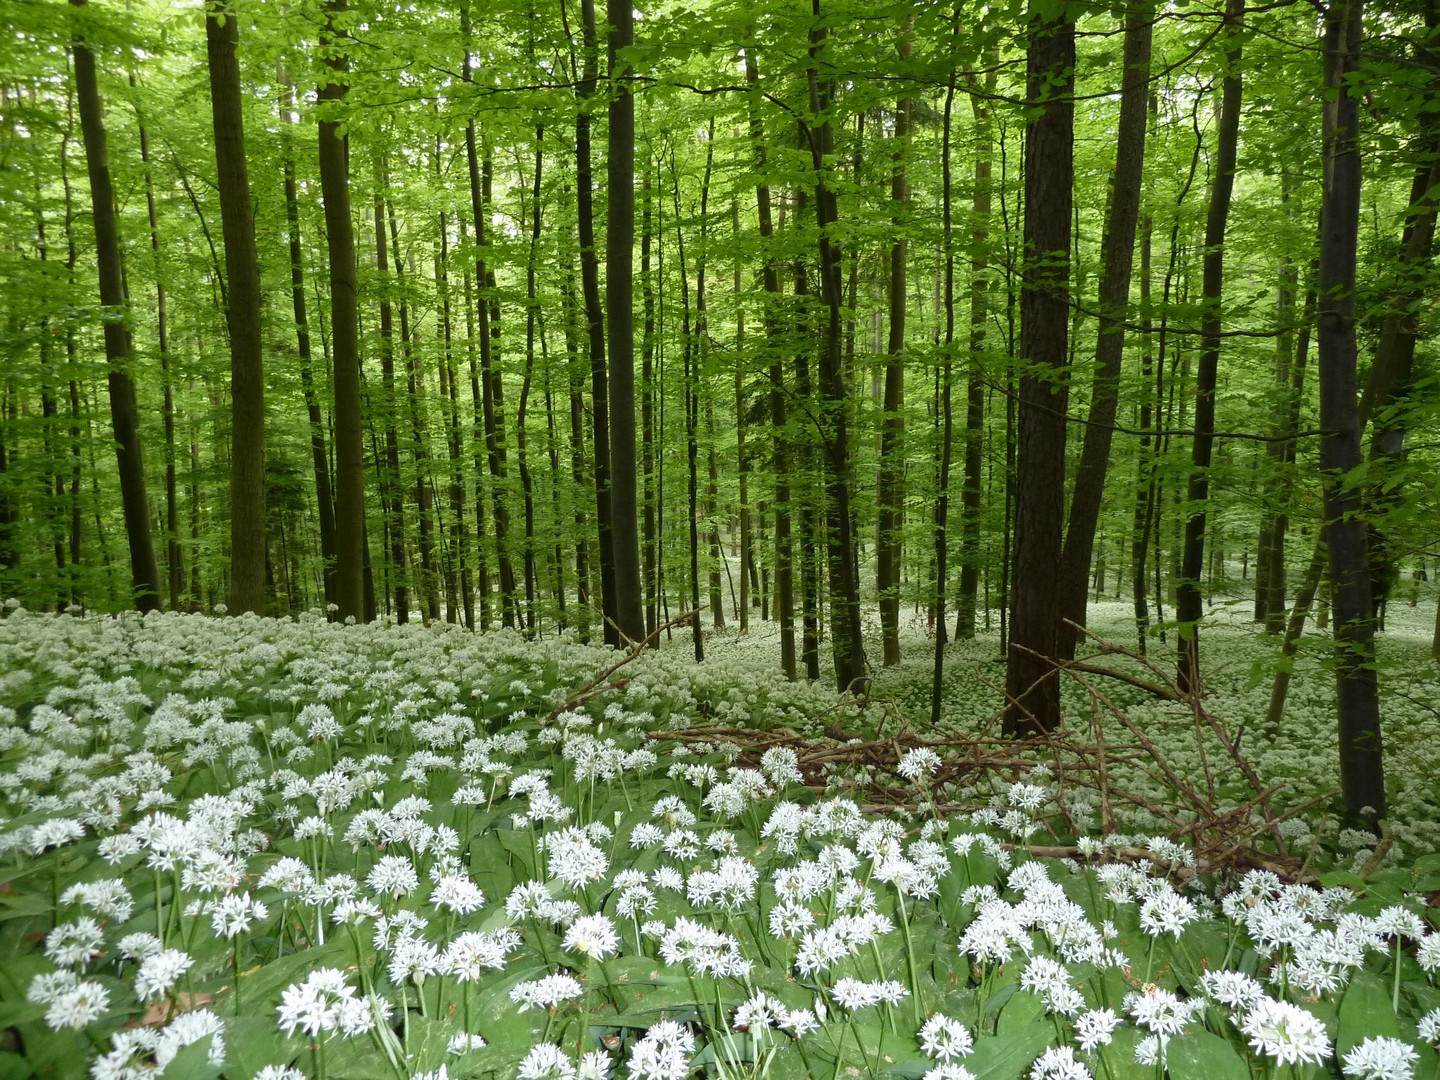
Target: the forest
(550, 541)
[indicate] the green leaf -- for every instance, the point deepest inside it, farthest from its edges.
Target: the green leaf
(1006, 1056)
(1201, 1055)
(1365, 1011)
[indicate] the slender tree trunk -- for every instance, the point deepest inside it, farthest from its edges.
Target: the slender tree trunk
(389, 470)
(692, 421)
(532, 313)
(1031, 685)
(324, 500)
(242, 275)
(350, 552)
(477, 442)
(119, 349)
(449, 374)
(970, 495)
(647, 416)
(1144, 461)
(847, 646)
(805, 461)
(784, 604)
(942, 503)
(174, 559)
(890, 490)
(1118, 257)
(1362, 771)
(742, 461)
(575, 372)
(1188, 601)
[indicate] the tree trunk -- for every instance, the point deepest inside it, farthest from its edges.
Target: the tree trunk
(242, 275)
(692, 421)
(742, 461)
(119, 349)
(324, 500)
(784, 605)
(1189, 607)
(847, 646)
(1031, 685)
(174, 560)
(350, 555)
(1118, 257)
(629, 611)
(448, 370)
(970, 495)
(942, 503)
(890, 490)
(389, 472)
(527, 484)
(477, 442)
(648, 546)
(1362, 771)
(595, 318)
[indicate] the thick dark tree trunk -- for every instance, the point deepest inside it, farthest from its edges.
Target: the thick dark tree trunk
(575, 373)
(242, 276)
(119, 349)
(692, 422)
(595, 318)
(1189, 605)
(1362, 768)
(1118, 256)
(629, 611)
(350, 550)
(847, 646)
(1032, 686)
(890, 490)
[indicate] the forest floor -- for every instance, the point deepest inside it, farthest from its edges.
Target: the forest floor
(277, 849)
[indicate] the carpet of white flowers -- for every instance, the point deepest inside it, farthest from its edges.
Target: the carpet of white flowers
(277, 849)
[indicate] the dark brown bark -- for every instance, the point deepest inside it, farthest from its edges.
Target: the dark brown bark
(847, 645)
(890, 489)
(947, 418)
(477, 444)
(1118, 256)
(595, 319)
(1362, 771)
(648, 539)
(784, 605)
(742, 460)
(242, 276)
(119, 349)
(392, 493)
(460, 579)
(532, 313)
(629, 613)
(1189, 605)
(324, 499)
(350, 547)
(970, 494)
(1031, 684)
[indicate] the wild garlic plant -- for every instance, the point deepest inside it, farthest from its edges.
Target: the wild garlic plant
(266, 849)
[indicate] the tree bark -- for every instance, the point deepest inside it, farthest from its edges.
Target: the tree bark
(242, 275)
(344, 330)
(1189, 606)
(1031, 685)
(119, 349)
(784, 606)
(394, 498)
(847, 646)
(1362, 772)
(890, 490)
(1118, 256)
(629, 613)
